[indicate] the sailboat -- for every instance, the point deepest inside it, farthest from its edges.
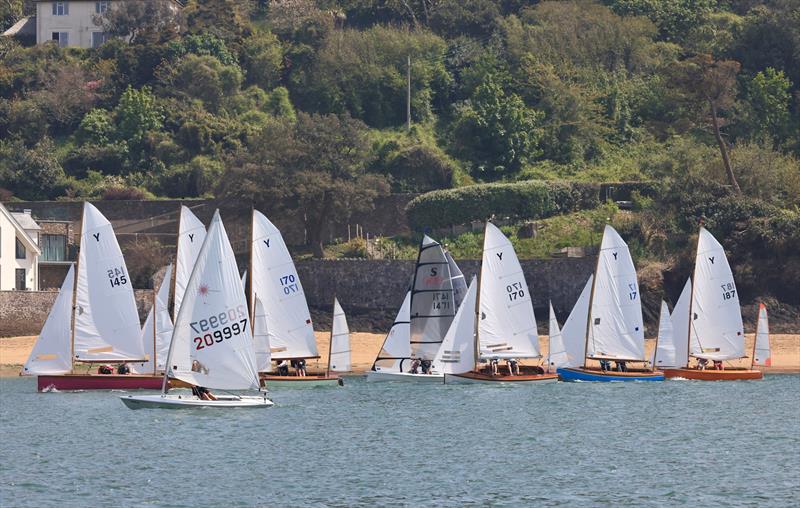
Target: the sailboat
(339, 359)
(157, 330)
(761, 352)
(504, 324)
(103, 321)
(664, 351)
(614, 327)
(556, 352)
(212, 345)
(287, 320)
(714, 331)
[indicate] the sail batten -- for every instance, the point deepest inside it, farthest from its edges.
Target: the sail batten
(106, 318)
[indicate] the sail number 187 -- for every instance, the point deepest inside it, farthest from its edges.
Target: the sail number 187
(728, 290)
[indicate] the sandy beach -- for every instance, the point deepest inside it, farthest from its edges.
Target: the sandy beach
(365, 346)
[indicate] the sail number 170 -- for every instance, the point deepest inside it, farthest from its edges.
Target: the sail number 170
(515, 291)
(289, 284)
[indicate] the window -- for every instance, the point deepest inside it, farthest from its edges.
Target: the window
(62, 38)
(60, 8)
(20, 282)
(20, 250)
(100, 7)
(98, 39)
(54, 248)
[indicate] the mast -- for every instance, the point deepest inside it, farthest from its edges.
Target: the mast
(478, 305)
(589, 311)
(155, 329)
(691, 304)
(75, 297)
(174, 278)
(330, 342)
(249, 286)
(655, 351)
(755, 339)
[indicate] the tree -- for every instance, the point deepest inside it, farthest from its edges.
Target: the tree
(68, 93)
(31, 174)
(10, 12)
(497, 132)
(142, 21)
(262, 58)
(767, 106)
(704, 80)
(205, 78)
(226, 19)
(315, 166)
(136, 115)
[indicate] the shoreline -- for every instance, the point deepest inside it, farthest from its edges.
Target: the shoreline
(365, 346)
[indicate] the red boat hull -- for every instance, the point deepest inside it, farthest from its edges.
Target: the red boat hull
(713, 375)
(68, 382)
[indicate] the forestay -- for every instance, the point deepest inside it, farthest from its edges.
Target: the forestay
(573, 334)
(762, 355)
(261, 336)
(557, 354)
(191, 233)
(716, 315)
(459, 283)
(432, 305)
(457, 354)
(274, 279)
(680, 325)
(507, 326)
(664, 352)
(162, 328)
(340, 340)
(51, 352)
(397, 344)
(616, 328)
(212, 345)
(106, 318)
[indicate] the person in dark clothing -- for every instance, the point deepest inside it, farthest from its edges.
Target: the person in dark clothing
(426, 366)
(202, 393)
(123, 369)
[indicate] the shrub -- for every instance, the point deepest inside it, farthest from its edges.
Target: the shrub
(420, 168)
(523, 200)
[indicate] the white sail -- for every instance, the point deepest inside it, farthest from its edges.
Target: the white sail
(274, 279)
(507, 326)
(573, 334)
(457, 354)
(616, 327)
(432, 305)
(261, 337)
(340, 340)
(397, 344)
(459, 282)
(664, 352)
(762, 355)
(680, 325)
(716, 315)
(191, 233)
(51, 353)
(557, 356)
(212, 345)
(157, 347)
(106, 318)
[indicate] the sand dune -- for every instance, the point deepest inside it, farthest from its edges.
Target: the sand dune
(365, 346)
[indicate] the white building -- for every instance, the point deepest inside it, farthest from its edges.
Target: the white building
(19, 251)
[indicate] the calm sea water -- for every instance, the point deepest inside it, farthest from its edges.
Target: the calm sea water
(675, 443)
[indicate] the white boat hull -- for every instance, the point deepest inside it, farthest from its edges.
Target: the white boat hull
(171, 401)
(374, 376)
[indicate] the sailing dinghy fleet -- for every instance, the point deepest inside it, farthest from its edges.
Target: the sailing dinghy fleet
(230, 333)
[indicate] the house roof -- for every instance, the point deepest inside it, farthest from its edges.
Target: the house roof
(26, 221)
(25, 26)
(21, 234)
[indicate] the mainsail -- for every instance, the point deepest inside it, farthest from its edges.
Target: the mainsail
(397, 344)
(507, 325)
(459, 283)
(191, 233)
(557, 356)
(106, 318)
(616, 328)
(156, 336)
(274, 279)
(457, 354)
(716, 315)
(573, 334)
(432, 305)
(212, 345)
(761, 353)
(340, 340)
(664, 352)
(51, 353)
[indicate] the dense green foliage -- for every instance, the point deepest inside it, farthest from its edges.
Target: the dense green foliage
(299, 106)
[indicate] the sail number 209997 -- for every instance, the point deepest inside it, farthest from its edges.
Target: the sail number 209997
(219, 327)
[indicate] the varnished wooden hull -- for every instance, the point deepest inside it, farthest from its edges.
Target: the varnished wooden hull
(714, 375)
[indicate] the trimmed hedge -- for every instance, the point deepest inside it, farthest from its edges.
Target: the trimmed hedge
(521, 200)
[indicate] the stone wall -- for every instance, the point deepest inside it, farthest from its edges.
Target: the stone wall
(370, 292)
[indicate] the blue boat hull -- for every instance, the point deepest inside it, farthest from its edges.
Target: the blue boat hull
(578, 374)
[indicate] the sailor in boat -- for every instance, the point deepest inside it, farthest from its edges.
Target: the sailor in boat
(123, 369)
(105, 369)
(282, 367)
(702, 363)
(718, 365)
(621, 366)
(513, 367)
(605, 365)
(415, 366)
(425, 365)
(494, 365)
(202, 393)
